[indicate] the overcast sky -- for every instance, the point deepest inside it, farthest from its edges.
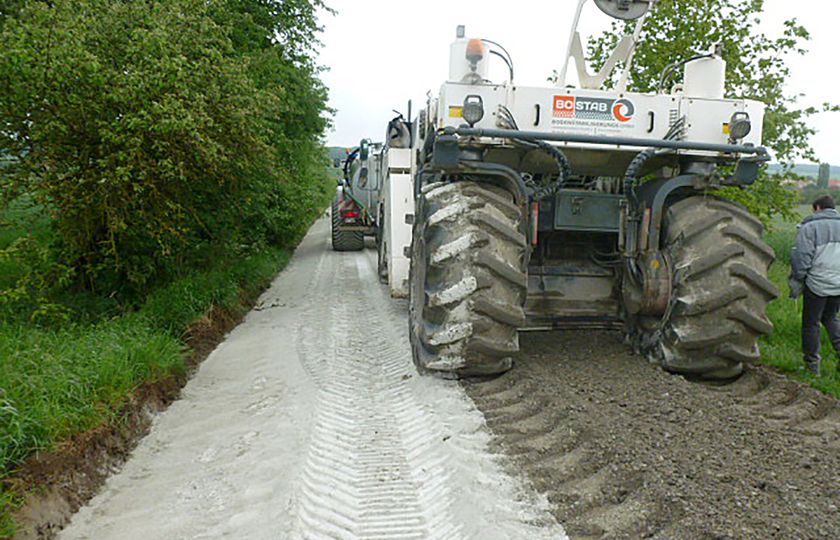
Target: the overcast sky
(381, 53)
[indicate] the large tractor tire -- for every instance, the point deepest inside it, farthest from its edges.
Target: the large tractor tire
(468, 280)
(720, 291)
(344, 240)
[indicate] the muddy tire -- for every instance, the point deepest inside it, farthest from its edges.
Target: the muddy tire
(720, 292)
(381, 250)
(344, 240)
(468, 280)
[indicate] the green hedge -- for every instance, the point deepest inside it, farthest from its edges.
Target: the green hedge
(56, 382)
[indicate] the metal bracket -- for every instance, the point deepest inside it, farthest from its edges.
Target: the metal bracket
(652, 295)
(746, 171)
(658, 206)
(587, 80)
(509, 177)
(445, 153)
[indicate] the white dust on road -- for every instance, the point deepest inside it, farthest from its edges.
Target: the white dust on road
(309, 421)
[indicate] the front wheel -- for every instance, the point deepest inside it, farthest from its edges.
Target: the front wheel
(719, 294)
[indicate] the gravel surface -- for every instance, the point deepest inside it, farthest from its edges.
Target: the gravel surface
(625, 450)
(309, 421)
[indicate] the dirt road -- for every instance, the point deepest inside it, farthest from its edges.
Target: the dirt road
(625, 450)
(309, 422)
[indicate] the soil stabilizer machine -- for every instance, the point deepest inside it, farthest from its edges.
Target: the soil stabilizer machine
(585, 207)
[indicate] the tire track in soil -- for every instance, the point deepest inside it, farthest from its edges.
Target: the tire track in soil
(359, 480)
(309, 421)
(377, 465)
(624, 450)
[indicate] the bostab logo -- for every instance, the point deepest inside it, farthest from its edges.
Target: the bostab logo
(584, 108)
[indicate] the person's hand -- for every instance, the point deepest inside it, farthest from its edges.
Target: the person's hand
(796, 287)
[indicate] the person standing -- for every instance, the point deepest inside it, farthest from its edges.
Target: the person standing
(815, 273)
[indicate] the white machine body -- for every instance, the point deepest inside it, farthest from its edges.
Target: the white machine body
(600, 112)
(705, 78)
(594, 110)
(398, 203)
(563, 109)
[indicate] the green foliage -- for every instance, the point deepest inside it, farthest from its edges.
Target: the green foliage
(9, 502)
(56, 382)
(173, 308)
(810, 193)
(823, 176)
(756, 68)
(159, 134)
(141, 144)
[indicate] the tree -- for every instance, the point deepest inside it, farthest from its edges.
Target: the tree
(756, 69)
(823, 176)
(161, 133)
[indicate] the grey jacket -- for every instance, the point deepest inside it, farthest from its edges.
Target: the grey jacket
(815, 259)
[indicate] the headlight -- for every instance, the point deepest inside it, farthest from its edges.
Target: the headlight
(473, 109)
(739, 126)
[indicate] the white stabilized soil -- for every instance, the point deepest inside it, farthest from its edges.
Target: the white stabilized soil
(309, 421)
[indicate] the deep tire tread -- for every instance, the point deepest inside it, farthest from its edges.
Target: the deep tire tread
(501, 268)
(714, 300)
(767, 287)
(493, 265)
(502, 313)
(750, 239)
(757, 323)
(721, 265)
(344, 240)
(712, 260)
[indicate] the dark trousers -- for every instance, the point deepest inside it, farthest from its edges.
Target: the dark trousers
(816, 310)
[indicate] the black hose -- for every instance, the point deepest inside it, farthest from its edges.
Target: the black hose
(349, 161)
(564, 166)
(631, 175)
(508, 60)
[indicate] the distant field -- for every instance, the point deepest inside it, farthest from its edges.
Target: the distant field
(805, 169)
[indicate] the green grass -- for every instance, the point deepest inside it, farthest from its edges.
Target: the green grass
(64, 376)
(59, 382)
(55, 382)
(783, 349)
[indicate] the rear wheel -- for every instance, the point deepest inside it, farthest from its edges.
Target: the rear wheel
(720, 291)
(381, 249)
(344, 240)
(468, 280)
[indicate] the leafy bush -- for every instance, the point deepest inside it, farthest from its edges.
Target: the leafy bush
(55, 382)
(157, 135)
